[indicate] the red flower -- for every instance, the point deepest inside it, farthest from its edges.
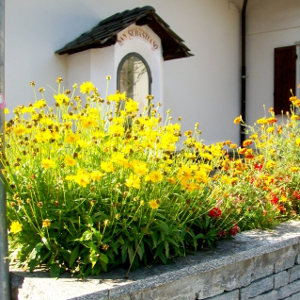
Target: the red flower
(296, 194)
(274, 200)
(234, 230)
(258, 167)
(222, 233)
(215, 212)
(281, 208)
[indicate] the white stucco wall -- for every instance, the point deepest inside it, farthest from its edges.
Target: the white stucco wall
(270, 24)
(203, 88)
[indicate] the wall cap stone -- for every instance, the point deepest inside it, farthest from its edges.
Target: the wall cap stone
(247, 245)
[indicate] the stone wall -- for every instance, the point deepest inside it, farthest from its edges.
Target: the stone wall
(260, 265)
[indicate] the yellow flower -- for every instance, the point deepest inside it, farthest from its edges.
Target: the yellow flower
(19, 130)
(297, 141)
(87, 87)
(40, 104)
(82, 178)
(153, 204)
(43, 136)
(184, 172)
(96, 175)
(87, 122)
(117, 96)
(261, 121)
(48, 163)
(116, 130)
(46, 223)
(71, 138)
(6, 111)
(133, 181)
(70, 161)
(15, 227)
(154, 176)
(270, 164)
(237, 120)
(131, 106)
(171, 180)
(294, 169)
(61, 99)
(295, 117)
(107, 166)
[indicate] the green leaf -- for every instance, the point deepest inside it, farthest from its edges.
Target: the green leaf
(166, 249)
(73, 256)
(93, 259)
(140, 250)
(120, 240)
(33, 263)
(163, 226)
(45, 241)
(172, 241)
(162, 257)
(200, 236)
(103, 258)
(206, 221)
(54, 270)
(155, 239)
(131, 254)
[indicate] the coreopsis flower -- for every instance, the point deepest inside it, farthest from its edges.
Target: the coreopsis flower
(184, 172)
(295, 117)
(20, 129)
(70, 161)
(247, 143)
(171, 180)
(87, 87)
(271, 164)
(261, 121)
(116, 130)
(140, 168)
(215, 212)
(87, 122)
(117, 97)
(16, 227)
(46, 223)
(258, 167)
(153, 204)
(96, 175)
(238, 120)
(59, 80)
(82, 178)
(154, 176)
(294, 169)
(61, 99)
(71, 138)
(133, 181)
(6, 111)
(48, 163)
(271, 120)
(40, 103)
(131, 106)
(107, 167)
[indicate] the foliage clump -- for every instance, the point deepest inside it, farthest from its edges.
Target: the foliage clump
(94, 183)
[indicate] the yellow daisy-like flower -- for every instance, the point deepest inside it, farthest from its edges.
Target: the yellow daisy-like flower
(61, 99)
(133, 181)
(46, 223)
(237, 120)
(87, 87)
(297, 141)
(82, 178)
(131, 106)
(107, 166)
(294, 169)
(71, 138)
(154, 176)
(16, 227)
(6, 111)
(40, 103)
(20, 130)
(48, 163)
(70, 161)
(270, 164)
(153, 204)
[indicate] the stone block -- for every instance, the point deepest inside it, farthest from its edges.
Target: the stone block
(294, 297)
(267, 296)
(294, 273)
(286, 261)
(289, 290)
(233, 295)
(298, 259)
(281, 279)
(257, 287)
(264, 265)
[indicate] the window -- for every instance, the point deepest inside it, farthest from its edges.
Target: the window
(285, 77)
(134, 78)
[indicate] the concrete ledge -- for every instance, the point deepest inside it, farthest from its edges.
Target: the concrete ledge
(232, 265)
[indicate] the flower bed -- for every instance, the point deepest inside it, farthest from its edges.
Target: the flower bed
(92, 185)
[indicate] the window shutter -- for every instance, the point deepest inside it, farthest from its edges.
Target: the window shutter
(285, 77)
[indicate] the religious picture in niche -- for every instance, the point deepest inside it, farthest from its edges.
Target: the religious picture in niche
(134, 80)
